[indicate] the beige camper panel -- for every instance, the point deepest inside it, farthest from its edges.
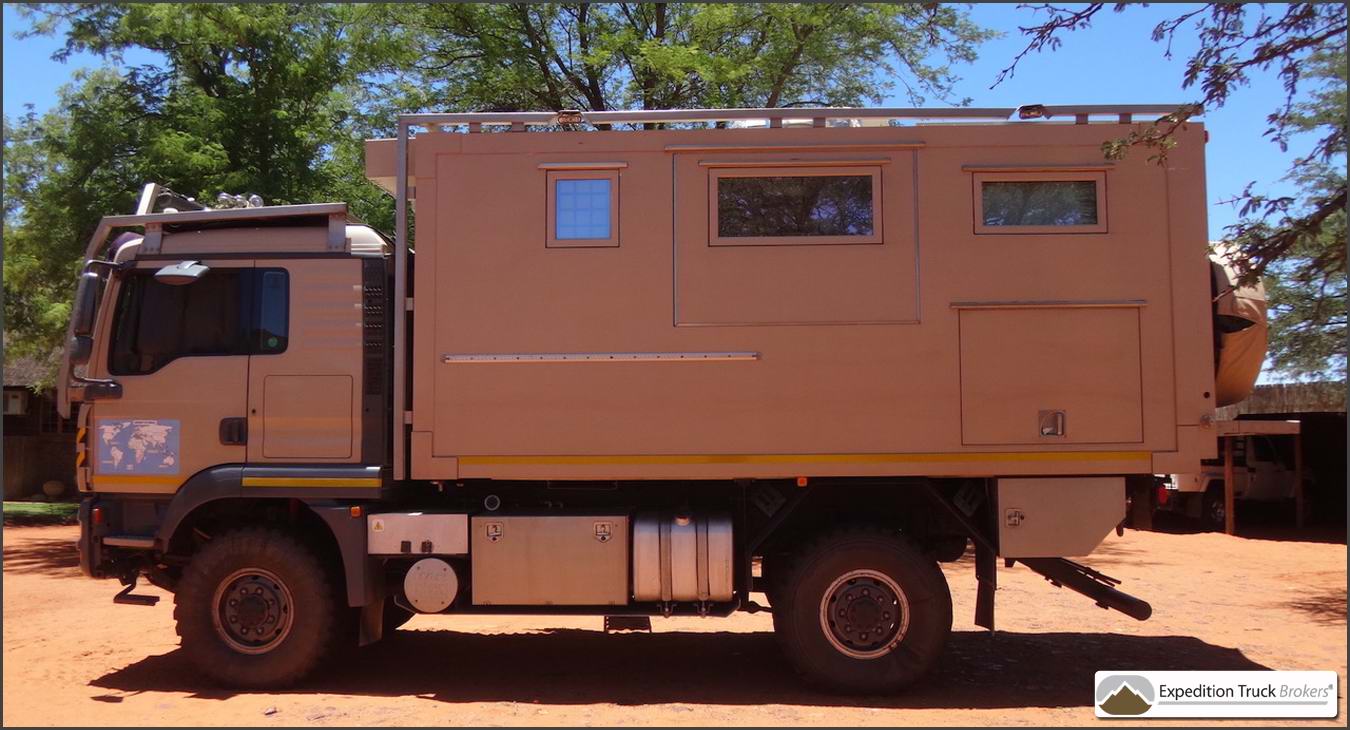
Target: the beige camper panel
(963, 299)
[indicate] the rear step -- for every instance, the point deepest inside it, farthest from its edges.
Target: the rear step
(127, 598)
(133, 542)
(628, 623)
(1091, 583)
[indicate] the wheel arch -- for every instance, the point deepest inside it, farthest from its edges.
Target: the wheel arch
(213, 501)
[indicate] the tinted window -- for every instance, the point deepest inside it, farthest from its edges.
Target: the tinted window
(582, 209)
(273, 311)
(226, 312)
(809, 205)
(1039, 203)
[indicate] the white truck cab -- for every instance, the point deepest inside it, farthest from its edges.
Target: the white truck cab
(1264, 470)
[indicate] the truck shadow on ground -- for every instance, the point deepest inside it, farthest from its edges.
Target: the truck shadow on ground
(574, 666)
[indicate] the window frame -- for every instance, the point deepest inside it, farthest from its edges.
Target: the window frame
(1095, 176)
(251, 289)
(551, 178)
(801, 170)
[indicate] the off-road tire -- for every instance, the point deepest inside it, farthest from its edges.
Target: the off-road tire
(313, 621)
(772, 568)
(818, 567)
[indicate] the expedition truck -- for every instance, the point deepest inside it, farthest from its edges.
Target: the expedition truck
(642, 364)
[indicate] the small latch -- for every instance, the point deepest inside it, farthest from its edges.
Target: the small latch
(426, 546)
(493, 530)
(603, 531)
(405, 546)
(1012, 517)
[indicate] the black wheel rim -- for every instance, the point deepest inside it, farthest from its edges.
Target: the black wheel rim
(864, 614)
(253, 611)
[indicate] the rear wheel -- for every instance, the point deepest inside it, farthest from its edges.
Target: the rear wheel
(255, 609)
(863, 612)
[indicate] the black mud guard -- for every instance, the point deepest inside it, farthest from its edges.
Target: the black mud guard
(226, 482)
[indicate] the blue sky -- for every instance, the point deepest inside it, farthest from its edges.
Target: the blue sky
(1115, 62)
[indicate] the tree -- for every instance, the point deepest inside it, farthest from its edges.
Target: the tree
(1296, 242)
(247, 101)
(62, 172)
(1307, 286)
(603, 56)
(265, 83)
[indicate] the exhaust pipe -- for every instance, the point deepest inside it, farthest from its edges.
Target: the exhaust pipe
(1091, 583)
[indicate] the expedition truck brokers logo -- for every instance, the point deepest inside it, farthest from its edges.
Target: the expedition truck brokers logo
(1216, 694)
(1124, 694)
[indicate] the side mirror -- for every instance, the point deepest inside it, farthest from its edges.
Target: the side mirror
(183, 272)
(81, 347)
(86, 303)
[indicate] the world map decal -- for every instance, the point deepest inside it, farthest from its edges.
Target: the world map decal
(139, 446)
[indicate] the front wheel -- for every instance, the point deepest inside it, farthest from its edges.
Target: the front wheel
(863, 612)
(255, 609)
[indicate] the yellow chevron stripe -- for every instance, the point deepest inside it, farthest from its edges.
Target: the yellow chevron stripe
(634, 459)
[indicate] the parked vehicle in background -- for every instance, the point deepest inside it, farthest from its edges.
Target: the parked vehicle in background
(1263, 471)
(622, 368)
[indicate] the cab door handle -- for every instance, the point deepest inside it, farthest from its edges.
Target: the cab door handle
(234, 431)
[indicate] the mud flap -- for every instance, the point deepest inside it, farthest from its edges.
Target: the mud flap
(986, 575)
(370, 628)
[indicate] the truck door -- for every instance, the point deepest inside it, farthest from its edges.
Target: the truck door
(1269, 476)
(304, 400)
(180, 353)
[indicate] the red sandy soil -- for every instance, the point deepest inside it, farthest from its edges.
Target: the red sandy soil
(72, 657)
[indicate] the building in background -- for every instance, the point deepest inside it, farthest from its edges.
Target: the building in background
(39, 444)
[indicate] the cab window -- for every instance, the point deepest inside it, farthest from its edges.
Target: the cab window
(226, 312)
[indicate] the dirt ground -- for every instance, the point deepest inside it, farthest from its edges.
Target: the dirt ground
(73, 657)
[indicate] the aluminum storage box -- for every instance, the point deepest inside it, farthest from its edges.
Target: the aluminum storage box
(387, 533)
(550, 560)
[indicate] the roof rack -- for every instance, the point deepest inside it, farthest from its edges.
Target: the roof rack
(1123, 112)
(774, 118)
(818, 116)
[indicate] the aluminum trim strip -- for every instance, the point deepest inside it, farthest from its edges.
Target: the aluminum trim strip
(550, 357)
(1053, 304)
(641, 459)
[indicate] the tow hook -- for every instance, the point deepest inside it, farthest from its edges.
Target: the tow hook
(127, 597)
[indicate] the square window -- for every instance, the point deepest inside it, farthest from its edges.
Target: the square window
(1040, 202)
(583, 208)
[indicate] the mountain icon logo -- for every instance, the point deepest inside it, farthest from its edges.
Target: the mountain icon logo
(1125, 694)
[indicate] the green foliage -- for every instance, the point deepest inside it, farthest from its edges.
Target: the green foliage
(249, 101)
(661, 56)
(1306, 282)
